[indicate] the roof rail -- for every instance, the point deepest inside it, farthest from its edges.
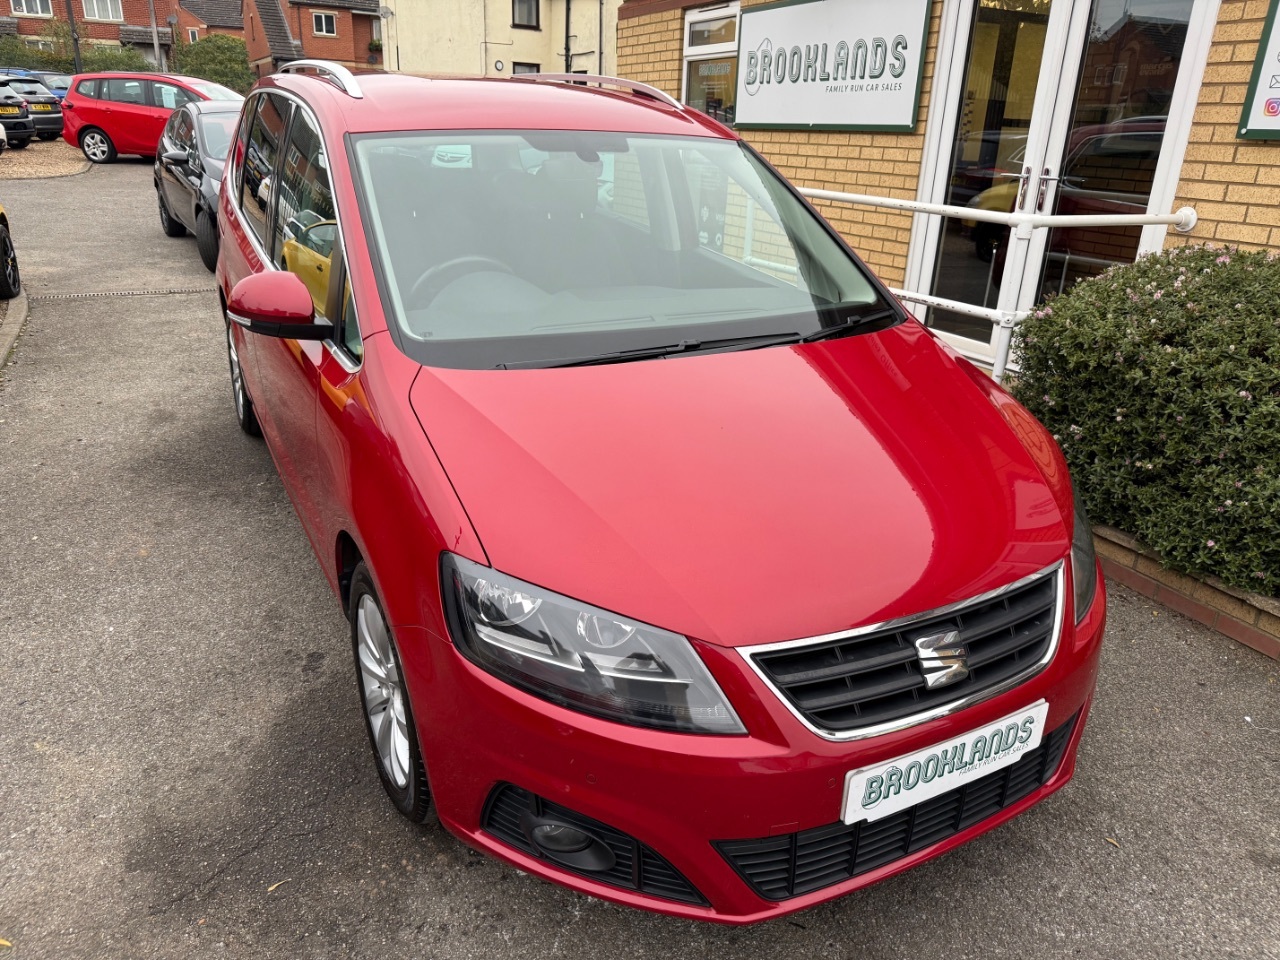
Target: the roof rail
(582, 78)
(335, 73)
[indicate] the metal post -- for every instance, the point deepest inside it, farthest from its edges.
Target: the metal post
(155, 35)
(75, 39)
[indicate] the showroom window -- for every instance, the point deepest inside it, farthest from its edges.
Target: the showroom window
(32, 8)
(711, 60)
(324, 24)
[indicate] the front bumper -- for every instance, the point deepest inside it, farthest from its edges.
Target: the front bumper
(680, 796)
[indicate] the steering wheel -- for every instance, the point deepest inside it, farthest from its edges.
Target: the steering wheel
(428, 286)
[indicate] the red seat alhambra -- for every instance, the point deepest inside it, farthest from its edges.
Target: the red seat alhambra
(683, 567)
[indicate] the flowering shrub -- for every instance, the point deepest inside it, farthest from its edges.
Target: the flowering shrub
(1161, 381)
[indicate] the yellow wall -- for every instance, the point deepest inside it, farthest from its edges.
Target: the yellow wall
(1233, 184)
(467, 38)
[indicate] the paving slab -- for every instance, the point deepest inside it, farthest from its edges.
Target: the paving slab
(183, 771)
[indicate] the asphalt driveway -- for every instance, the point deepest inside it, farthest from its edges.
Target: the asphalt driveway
(183, 771)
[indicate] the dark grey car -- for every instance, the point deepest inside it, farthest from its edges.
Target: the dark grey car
(43, 108)
(188, 171)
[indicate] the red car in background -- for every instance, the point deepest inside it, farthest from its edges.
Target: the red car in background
(693, 580)
(107, 114)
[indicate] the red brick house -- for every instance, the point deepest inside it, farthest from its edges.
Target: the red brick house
(110, 22)
(346, 31)
(199, 18)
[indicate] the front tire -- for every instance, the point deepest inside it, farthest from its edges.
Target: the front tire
(207, 240)
(245, 414)
(97, 146)
(385, 699)
(170, 226)
(10, 281)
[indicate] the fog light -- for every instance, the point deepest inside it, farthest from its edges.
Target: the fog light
(557, 838)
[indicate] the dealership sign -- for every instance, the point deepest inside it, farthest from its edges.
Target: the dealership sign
(831, 64)
(1260, 119)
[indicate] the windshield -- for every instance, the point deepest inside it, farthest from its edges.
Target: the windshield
(216, 130)
(213, 91)
(29, 88)
(501, 248)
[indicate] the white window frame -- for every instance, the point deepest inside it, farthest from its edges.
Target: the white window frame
(37, 44)
(318, 21)
(714, 51)
(375, 29)
(112, 7)
(19, 8)
(193, 35)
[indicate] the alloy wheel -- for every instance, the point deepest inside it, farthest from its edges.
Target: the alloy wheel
(237, 379)
(383, 689)
(95, 147)
(10, 263)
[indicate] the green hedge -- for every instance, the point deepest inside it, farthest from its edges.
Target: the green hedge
(15, 53)
(1161, 381)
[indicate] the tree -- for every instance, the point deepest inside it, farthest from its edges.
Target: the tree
(217, 57)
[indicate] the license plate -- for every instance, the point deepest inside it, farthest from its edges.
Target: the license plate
(10, 111)
(46, 107)
(873, 793)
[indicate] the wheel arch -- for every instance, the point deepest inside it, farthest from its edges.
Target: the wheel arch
(347, 557)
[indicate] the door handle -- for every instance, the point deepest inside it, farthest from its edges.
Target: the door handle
(1045, 180)
(1023, 179)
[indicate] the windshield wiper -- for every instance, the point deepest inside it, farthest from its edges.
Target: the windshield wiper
(724, 344)
(664, 350)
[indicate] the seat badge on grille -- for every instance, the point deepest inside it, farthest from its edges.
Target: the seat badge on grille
(944, 659)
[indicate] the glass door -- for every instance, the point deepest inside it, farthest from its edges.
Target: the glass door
(1061, 107)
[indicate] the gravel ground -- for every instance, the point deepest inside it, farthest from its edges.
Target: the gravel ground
(44, 158)
(183, 771)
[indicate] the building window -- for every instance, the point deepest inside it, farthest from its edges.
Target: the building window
(324, 24)
(526, 68)
(32, 8)
(375, 29)
(193, 35)
(45, 45)
(102, 10)
(711, 60)
(524, 13)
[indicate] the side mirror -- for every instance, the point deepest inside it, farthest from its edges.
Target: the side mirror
(175, 156)
(276, 304)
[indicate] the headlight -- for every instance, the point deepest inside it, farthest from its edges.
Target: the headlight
(1084, 572)
(580, 656)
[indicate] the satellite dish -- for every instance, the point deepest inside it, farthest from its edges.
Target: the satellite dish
(385, 11)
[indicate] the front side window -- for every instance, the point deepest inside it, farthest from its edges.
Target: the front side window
(306, 225)
(125, 90)
(324, 24)
(525, 13)
(711, 61)
(32, 8)
(169, 97)
(544, 246)
(257, 184)
(102, 10)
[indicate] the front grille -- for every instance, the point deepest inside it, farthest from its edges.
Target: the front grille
(636, 867)
(867, 679)
(778, 868)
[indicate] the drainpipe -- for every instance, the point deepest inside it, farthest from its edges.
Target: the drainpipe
(600, 42)
(568, 57)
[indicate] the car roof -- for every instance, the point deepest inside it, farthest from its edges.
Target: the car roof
(215, 106)
(396, 102)
(137, 75)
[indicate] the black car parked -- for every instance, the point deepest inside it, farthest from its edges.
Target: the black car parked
(19, 129)
(188, 171)
(43, 107)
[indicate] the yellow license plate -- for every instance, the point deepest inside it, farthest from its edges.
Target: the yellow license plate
(46, 107)
(10, 111)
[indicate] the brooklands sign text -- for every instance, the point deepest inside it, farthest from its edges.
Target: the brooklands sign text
(831, 64)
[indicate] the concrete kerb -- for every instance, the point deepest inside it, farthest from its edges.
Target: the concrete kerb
(12, 325)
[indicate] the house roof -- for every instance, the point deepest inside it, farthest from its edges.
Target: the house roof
(216, 13)
(8, 26)
(356, 6)
(276, 29)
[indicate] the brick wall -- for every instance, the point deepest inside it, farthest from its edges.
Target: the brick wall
(650, 49)
(1233, 184)
(135, 13)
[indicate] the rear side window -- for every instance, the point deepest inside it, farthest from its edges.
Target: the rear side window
(257, 180)
(125, 90)
(87, 88)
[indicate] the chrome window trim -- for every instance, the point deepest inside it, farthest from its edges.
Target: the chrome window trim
(1054, 570)
(334, 349)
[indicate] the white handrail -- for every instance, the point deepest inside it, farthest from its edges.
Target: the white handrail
(1021, 225)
